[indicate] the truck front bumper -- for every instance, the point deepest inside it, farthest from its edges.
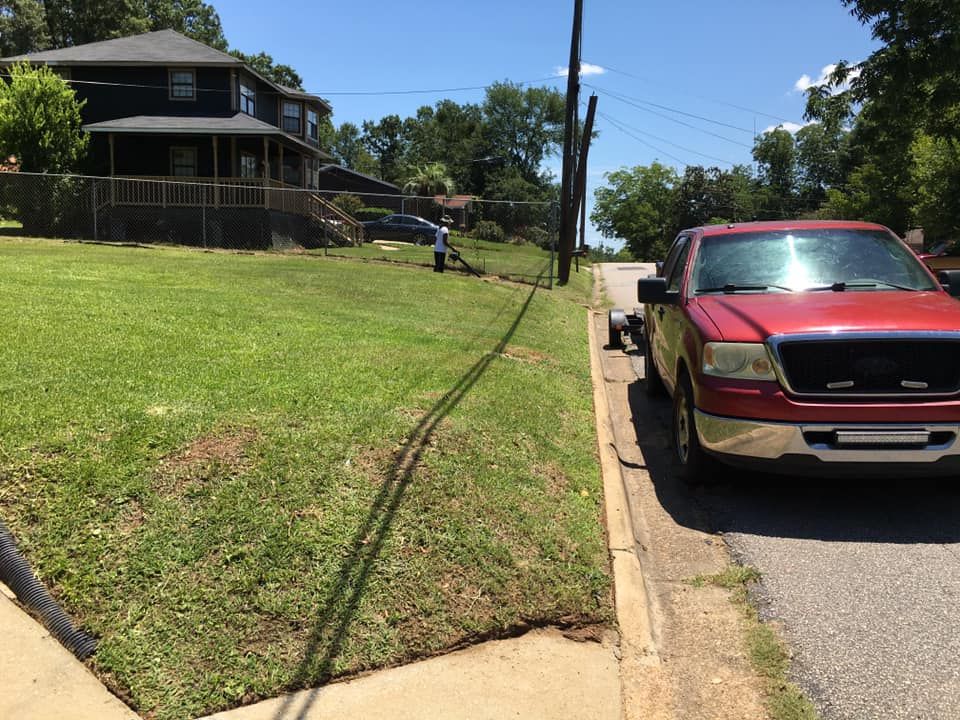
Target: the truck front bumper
(888, 448)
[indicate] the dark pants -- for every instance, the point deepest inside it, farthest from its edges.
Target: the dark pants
(439, 260)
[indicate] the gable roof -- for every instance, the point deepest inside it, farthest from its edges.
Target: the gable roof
(345, 172)
(160, 46)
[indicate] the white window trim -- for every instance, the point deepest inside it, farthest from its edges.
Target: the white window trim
(246, 82)
(256, 163)
(183, 98)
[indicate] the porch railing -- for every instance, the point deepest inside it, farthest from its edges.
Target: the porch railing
(228, 192)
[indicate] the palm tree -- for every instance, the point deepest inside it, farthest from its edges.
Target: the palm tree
(430, 179)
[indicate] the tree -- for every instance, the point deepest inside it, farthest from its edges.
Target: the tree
(40, 120)
(76, 22)
(278, 73)
(23, 28)
(776, 158)
(636, 205)
(193, 18)
(936, 187)
(429, 179)
(821, 157)
(347, 148)
(523, 126)
(386, 142)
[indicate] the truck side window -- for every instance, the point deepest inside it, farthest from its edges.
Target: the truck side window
(676, 272)
(672, 256)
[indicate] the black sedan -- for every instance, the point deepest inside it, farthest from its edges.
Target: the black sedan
(401, 227)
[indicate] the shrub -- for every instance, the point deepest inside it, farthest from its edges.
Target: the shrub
(350, 204)
(490, 231)
(371, 213)
(538, 236)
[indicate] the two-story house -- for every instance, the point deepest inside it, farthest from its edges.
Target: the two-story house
(163, 107)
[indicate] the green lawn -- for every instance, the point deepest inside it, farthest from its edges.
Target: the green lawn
(250, 473)
(520, 262)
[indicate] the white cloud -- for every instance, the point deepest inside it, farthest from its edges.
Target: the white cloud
(585, 69)
(790, 127)
(806, 82)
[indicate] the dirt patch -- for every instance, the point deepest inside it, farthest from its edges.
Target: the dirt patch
(206, 457)
(554, 478)
(526, 355)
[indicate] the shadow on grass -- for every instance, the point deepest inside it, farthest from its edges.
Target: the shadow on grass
(340, 605)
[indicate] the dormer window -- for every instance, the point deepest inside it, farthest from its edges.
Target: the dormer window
(291, 117)
(248, 98)
(183, 85)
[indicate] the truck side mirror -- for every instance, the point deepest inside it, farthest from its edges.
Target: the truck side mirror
(653, 291)
(950, 279)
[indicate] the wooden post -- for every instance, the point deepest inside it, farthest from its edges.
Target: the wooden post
(216, 173)
(266, 172)
(283, 199)
(568, 216)
(113, 190)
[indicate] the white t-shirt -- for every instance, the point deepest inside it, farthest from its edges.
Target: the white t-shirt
(441, 244)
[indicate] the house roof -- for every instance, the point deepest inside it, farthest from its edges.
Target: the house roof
(239, 124)
(333, 169)
(161, 47)
(456, 202)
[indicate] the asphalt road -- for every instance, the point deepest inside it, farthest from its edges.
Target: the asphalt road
(863, 578)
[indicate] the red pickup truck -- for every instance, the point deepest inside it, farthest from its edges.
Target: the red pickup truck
(806, 347)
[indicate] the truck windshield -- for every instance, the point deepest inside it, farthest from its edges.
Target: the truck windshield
(806, 259)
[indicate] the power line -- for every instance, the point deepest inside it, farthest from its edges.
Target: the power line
(700, 97)
(616, 96)
(625, 131)
(748, 131)
(668, 142)
(305, 92)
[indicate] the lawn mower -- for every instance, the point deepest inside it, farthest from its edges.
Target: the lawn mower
(454, 255)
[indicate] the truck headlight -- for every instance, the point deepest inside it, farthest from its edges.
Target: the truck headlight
(748, 361)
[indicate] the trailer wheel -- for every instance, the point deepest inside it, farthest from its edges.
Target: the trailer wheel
(616, 324)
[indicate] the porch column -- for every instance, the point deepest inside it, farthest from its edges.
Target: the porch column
(216, 173)
(266, 172)
(283, 194)
(113, 191)
(303, 171)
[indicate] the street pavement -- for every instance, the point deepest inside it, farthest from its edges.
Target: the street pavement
(863, 578)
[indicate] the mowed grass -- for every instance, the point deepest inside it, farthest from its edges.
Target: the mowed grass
(522, 262)
(252, 473)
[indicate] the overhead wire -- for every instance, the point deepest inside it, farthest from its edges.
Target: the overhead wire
(668, 142)
(700, 97)
(616, 96)
(625, 131)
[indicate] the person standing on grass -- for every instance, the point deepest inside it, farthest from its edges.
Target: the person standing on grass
(442, 244)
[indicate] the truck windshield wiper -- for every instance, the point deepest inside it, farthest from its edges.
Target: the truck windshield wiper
(732, 288)
(841, 286)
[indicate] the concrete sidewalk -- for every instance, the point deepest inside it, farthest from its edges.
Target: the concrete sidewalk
(42, 680)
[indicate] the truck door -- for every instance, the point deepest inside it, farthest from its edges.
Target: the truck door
(669, 318)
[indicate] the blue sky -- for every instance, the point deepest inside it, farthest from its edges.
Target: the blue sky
(693, 56)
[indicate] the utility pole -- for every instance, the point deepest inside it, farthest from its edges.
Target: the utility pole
(568, 217)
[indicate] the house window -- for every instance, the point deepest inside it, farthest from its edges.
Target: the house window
(291, 117)
(248, 98)
(248, 165)
(183, 161)
(313, 125)
(183, 85)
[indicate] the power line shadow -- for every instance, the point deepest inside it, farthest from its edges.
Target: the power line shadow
(340, 605)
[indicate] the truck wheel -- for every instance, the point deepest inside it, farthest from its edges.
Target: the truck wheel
(654, 384)
(695, 465)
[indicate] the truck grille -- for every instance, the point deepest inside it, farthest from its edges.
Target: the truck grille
(901, 366)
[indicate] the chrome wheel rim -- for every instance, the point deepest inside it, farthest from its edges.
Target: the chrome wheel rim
(683, 429)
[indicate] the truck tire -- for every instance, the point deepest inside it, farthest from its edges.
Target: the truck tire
(654, 384)
(695, 466)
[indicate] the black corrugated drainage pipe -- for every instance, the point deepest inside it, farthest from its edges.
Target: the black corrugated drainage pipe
(17, 575)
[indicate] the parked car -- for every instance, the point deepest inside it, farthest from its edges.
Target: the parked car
(944, 256)
(821, 348)
(401, 227)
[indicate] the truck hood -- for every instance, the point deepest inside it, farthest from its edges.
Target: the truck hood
(755, 317)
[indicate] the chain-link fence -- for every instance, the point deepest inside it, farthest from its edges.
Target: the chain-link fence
(510, 239)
